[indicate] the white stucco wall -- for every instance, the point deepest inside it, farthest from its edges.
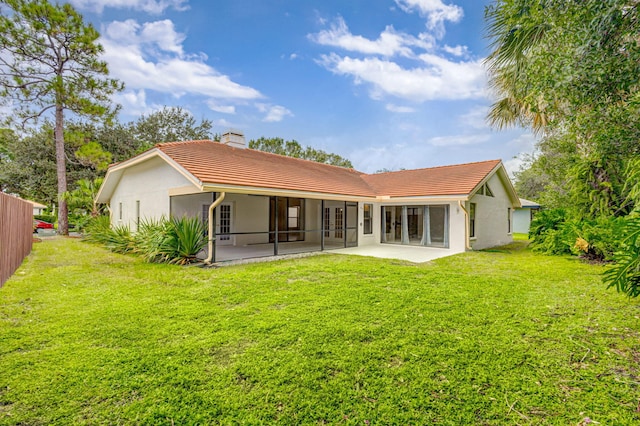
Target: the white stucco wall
(148, 183)
(522, 220)
(491, 224)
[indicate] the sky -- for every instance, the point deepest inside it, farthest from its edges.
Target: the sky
(388, 84)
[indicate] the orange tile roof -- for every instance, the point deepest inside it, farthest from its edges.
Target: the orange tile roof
(216, 163)
(445, 180)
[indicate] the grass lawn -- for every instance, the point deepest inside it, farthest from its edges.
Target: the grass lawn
(497, 337)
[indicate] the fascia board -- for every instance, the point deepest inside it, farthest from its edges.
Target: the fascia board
(386, 200)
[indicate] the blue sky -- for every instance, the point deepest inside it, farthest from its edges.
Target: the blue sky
(386, 83)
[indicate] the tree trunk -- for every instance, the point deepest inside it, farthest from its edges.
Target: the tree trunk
(61, 169)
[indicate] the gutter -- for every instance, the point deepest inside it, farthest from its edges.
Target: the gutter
(466, 226)
(211, 234)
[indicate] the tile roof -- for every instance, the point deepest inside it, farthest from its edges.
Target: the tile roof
(215, 163)
(445, 180)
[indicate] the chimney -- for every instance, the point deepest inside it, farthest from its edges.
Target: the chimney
(234, 138)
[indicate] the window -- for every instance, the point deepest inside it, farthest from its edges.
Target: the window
(367, 219)
(327, 222)
(339, 216)
(137, 214)
(472, 220)
(487, 191)
(508, 220)
(293, 215)
(225, 222)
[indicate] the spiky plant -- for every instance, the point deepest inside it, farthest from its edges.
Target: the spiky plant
(183, 241)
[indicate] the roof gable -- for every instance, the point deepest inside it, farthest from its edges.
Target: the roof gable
(458, 179)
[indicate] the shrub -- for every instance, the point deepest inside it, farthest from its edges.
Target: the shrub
(46, 217)
(599, 239)
(183, 241)
(97, 229)
(157, 240)
(550, 234)
(149, 238)
(117, 239)
(596, 240)
(624, 274)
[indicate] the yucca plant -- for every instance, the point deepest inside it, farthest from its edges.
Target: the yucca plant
(150, 237)
(183, 240)
(624, 274)
(98, 230)
(120, 240)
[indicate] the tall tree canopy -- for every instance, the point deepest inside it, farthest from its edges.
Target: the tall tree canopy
(28, 163)
(294, 149)
(170, 124)
(569, 70)
(50, 63)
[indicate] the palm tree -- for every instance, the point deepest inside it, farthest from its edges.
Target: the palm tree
(83, 198)
(514, 33)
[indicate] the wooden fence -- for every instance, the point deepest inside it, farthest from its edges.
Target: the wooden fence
(16, 234)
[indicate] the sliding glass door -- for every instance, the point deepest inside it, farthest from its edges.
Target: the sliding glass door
(416, 225)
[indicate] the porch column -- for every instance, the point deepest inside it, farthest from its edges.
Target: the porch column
(214, 197)
(275, 237)
(322, 225)
(405, 226)
(426, 227)
(344, 225)
(383, 222)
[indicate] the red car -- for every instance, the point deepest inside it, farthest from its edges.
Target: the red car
(41, 224)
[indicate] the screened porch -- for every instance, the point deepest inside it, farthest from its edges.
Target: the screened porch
(249, 226)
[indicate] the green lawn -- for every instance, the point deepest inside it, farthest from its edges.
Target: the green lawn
(496, 337)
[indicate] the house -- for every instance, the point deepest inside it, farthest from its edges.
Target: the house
(523, 215)
(38, 208)
(261, 204)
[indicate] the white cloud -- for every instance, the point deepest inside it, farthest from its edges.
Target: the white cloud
(458, 140)
(274, 113)
(389, 43)
(133, 101)
(225, 109)
(456, 50)
(150, 57)
(524, 143)
(437, 78)
(475, 118)
(155, 7)
(399, 109)
(435, 11)
(156, 37)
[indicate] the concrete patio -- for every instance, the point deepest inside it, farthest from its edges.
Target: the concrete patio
(413, 254)
(263, 253)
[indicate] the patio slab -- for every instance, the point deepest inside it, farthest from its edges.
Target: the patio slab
(389, 251)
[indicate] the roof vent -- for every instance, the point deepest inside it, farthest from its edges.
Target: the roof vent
(234, 138)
